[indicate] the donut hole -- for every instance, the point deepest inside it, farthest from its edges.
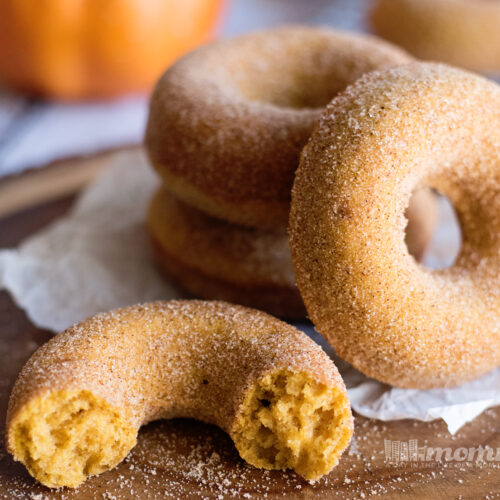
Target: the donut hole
(298, 90)
(434, 235)
(291, 421)
(65, 436)
(305, 73)
(421, 219)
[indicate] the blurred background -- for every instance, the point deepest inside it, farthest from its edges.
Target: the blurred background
(75, 76)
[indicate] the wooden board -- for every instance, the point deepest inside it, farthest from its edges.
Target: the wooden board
(51, 182)
(186, 459)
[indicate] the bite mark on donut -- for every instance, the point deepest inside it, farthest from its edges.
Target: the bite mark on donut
(290, 421)
(65, 436)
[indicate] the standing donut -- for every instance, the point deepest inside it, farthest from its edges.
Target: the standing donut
(417, 125)
(228, 121)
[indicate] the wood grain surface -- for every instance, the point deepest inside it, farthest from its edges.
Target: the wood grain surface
(51, 182)
(187, 459)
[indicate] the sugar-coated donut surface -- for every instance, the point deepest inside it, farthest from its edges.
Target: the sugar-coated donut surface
(79, 401)
(228, 121)
(213, 259)
(391, 131)
(460, 32)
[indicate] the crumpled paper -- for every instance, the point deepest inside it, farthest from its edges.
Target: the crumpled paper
(95, 258)
(98, 257)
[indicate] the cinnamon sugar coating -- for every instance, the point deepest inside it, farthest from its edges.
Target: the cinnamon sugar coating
(460, 32)
(228, 121)
(417, 125)
(213, 259)
(79, 401)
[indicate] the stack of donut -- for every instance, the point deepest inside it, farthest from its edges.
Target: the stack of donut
(226, 127)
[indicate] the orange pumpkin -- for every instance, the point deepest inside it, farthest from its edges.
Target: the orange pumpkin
(97, 48)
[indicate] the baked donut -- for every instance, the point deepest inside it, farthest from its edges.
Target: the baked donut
(213, 259)
(228, 121)
(416, 125)
(80, 400)
(460, 32)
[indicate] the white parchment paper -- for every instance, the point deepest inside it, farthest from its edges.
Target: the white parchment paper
(98, 257)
